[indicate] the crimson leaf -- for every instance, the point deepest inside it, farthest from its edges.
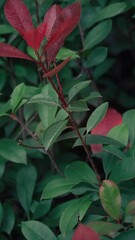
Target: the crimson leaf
(85, 233)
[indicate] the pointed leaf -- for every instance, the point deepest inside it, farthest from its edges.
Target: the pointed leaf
(96, 116)
(50, 18)
(78, 106)
(129, 120)
(26, 179)
(81, 171)
(55, 70)
(52, 133)
(120, 133)
(123, 170)
(58, 187)
(76, 209)
(36, 230)
(77, 88)
(83, 232)
(17, 96)
(8, 220)
(97, 56)
(18, 15)
(66, 21)
(110, 198)
(7, 50)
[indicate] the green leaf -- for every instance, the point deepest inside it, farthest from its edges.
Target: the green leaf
(17, 97)
(12, 152)
(72, 212)
(6, 29)
(2, 166)
(4, 108)
(110, 11)
(80, 171)
(58, 187)
(70, 135)
(65, 53)
(36, 230)
(129, 235)
(52, 133)
(42, 208)
(105, 228)
(97, 56)
(123, 170)
(8, 220)
(25, 183)
(41, 99)
(98, 34)
(130, 209)
(120, 133)
(110, 198)
(96, 116)
(78, 106)
(77, 88)
(129, 120)
(114, 151)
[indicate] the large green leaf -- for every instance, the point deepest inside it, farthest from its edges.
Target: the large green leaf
(25, 183)
(129, 120)
(74, 211)
(120, 133)
(129, 235)
(123, 170)
(36, 230)
(97, 56)
(96, 116)
(110, 198)
(105, 228)
(52, 133)
(97, 34)
(58, 187)
(77, 88)
(81, 171)
(11, 151)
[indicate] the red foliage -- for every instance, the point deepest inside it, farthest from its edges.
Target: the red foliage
(85, 233)
(111, 119)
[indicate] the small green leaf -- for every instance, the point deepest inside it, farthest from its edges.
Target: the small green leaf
(110, 198)
(42, 209)
(97, 56)
(17, 97)
(6, 29)
(98, 34)
(65, 53)
(130, 209)
(129, 120)
(72, 212)
(8, 220)
(114, 151)
(123, 170)
(52, 133)
(77, 88)
(105, 228)
(34, 230)
(58, 187)
(12, 152)
(25, 183)
(80, 171)
(120, 133)
(96, 116)
(78, 106)
(2, 166)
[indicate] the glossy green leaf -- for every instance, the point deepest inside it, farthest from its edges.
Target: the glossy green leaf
(115, 151)
(96, 116)
(8, 220)
(129, 235)
(72, 212)
(110, 198)
(77, 88)
(52, 133)
(97, 56)
(42, 208)
(70, 135)
(129, 120)
(41, 99)
(120, 133)
(58, 187)
(65, 53)
(98, 34)
(105, 228)
(81, 171)
(12, 152)
(36, 230)
(110, 11)
(123, 170)
(25, 183)
(17, 97)
(78, 106)
(6, 29)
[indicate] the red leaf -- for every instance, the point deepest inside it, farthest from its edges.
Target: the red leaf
(111, 119)
(18, 16)
(34, 37)
(57, 69)
(66, 21)
(7, 50)
(85, 233)
(50, 18)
